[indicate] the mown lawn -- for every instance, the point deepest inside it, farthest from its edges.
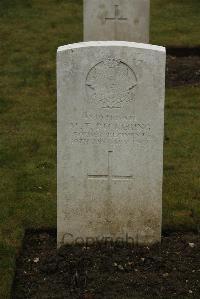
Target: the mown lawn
(175, 22)
(30, 32)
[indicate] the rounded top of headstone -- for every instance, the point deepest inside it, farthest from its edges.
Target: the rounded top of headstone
(111, 44)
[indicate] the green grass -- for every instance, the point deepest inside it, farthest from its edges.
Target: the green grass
(30, 32)
(181, 193)
(175, 22)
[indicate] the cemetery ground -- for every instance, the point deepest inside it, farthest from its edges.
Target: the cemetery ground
(31, 31)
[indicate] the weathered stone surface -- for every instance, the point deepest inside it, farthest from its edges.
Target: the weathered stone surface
(110, 141)
(125, 20)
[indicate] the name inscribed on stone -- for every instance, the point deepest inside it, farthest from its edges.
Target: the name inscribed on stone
(110, 129)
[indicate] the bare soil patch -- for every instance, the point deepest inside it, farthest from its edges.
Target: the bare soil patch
(182, 71)
(169, 270)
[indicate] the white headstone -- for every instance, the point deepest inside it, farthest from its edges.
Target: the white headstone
(125, 20)
(110, 141)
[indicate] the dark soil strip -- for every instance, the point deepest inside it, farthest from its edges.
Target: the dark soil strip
(169, 270)
(183, 52)
(182, 71)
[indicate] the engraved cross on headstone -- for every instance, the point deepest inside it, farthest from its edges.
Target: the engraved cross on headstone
(109, 176)
(117, 15)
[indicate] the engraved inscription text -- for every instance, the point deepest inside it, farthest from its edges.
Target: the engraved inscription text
(109, 129)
